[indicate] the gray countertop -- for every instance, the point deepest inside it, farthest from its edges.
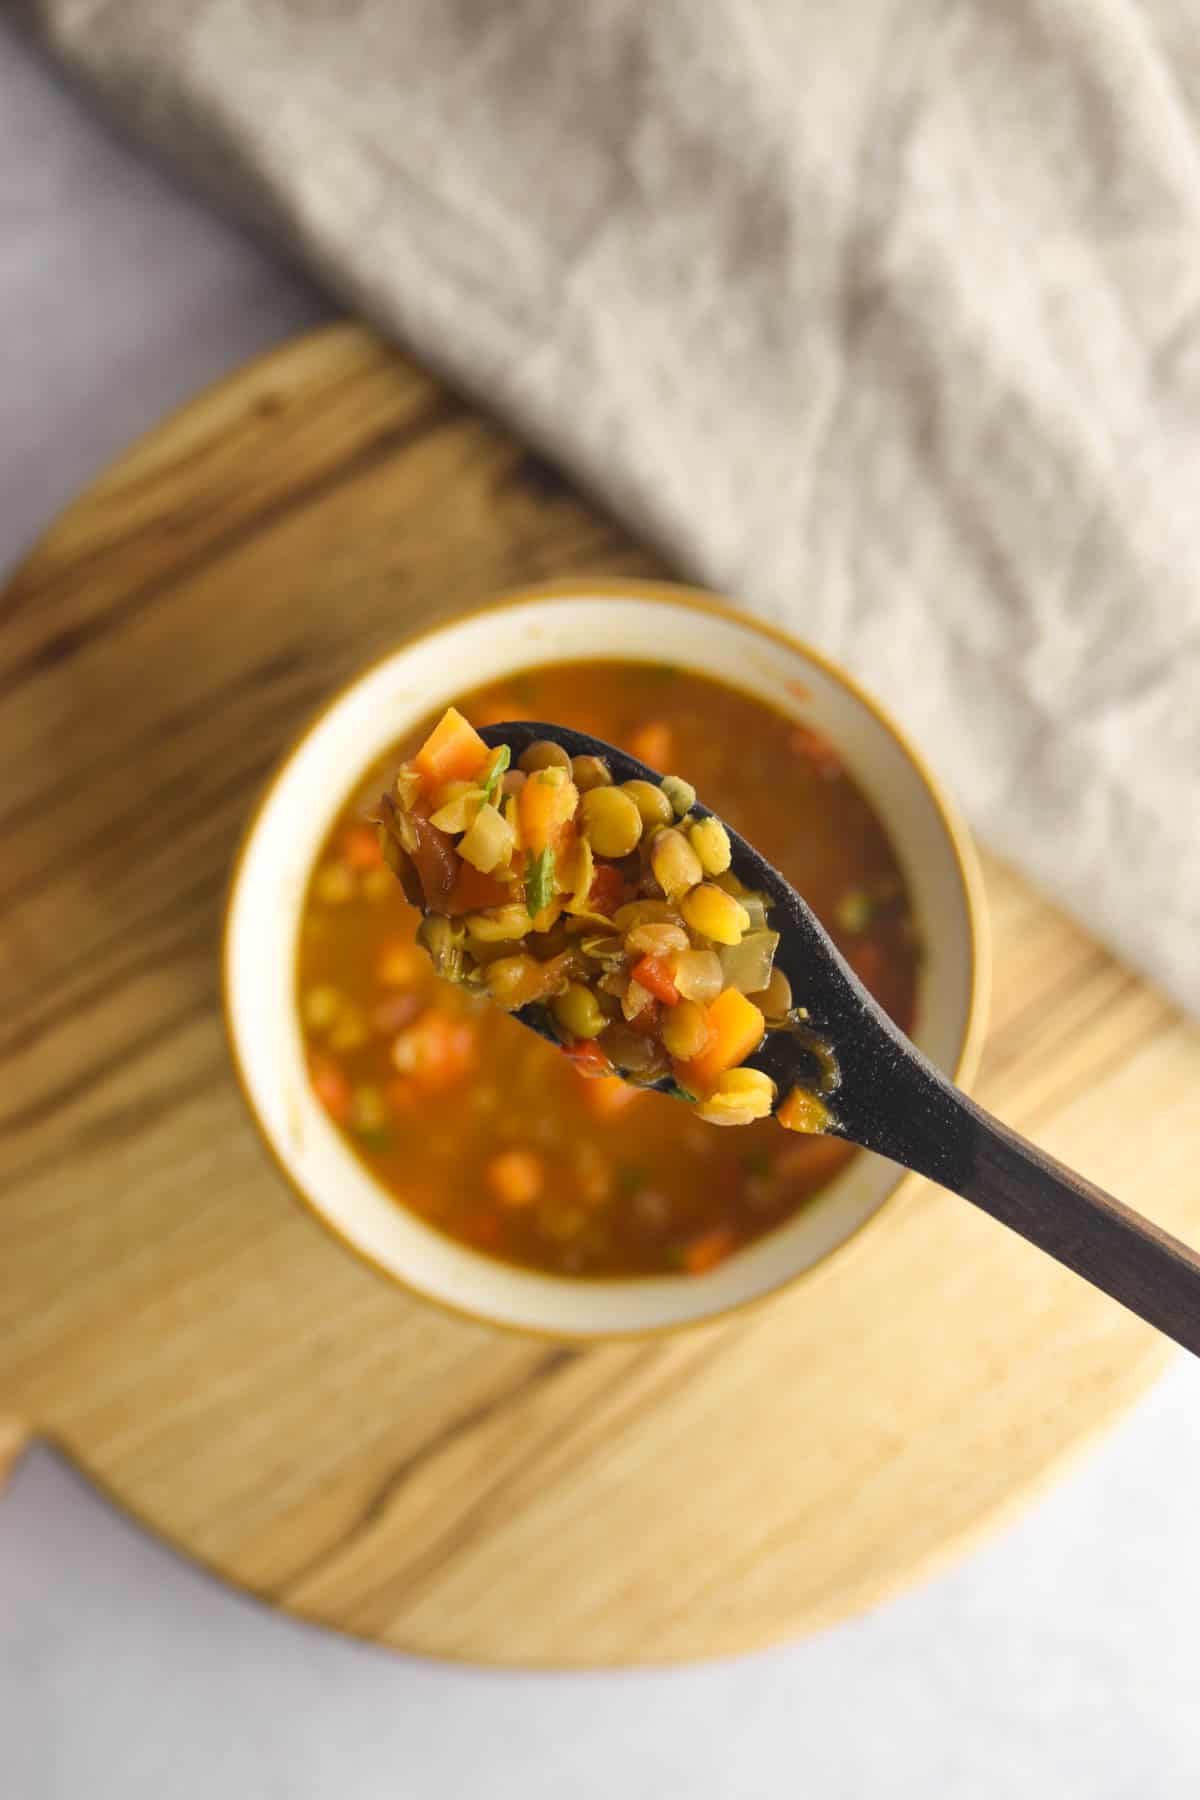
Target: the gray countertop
(1059, 1660)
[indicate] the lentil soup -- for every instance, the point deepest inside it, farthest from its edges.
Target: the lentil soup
(496, 1138)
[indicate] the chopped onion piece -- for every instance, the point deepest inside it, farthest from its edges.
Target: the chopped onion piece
(747, 966)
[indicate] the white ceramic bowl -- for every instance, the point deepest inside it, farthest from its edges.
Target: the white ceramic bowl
(607, 619)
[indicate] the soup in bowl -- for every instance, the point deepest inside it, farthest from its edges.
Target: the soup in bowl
(468, 1158)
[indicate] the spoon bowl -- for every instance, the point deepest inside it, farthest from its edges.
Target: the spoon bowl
(822, 981)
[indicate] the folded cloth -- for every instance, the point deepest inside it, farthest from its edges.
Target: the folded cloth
(885, 318)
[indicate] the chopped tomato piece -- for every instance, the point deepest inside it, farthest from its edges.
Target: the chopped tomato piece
(588, 1058)
(654, 973)
(436, 862)
(473, 891)
(607, 890)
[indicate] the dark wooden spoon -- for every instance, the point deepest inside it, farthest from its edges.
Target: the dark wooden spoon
(890, 1099)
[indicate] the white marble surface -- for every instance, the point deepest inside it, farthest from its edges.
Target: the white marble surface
(1059, 1661)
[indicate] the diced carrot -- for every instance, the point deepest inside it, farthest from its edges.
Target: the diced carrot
(453, 751)
(588, 1058)
(543, 811)
(566, 836)
(607, 890)
(537, 811)
(653, 743)
(804, 1111)
(609, 1096)
(360, 847)
(473, 890)
(704, 1253)
(331, 1088)
(516, 1177)
(737, 1028)
(654, 972)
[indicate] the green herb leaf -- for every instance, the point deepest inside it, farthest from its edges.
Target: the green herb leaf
(680, 1093)
(680, 793)
(539, 881)
(500, 762)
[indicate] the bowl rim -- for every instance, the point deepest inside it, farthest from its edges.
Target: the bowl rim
(954, 827)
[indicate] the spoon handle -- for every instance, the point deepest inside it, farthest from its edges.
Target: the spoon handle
(957, 1144)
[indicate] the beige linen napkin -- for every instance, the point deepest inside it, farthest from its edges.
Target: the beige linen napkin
(883, 316)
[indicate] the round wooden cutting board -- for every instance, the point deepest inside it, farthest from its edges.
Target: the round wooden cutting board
(179, 1326)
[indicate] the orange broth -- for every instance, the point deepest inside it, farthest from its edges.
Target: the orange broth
(491, 1135)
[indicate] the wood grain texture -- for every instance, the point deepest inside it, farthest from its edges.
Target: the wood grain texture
(174, 1320)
